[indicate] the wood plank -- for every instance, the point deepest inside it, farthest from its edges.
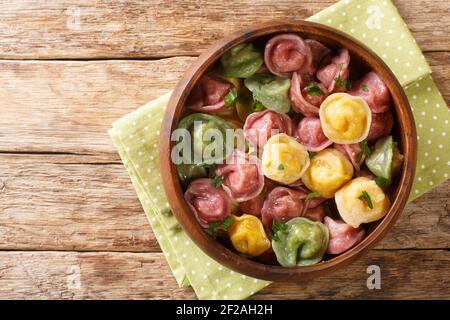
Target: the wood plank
(68, 202)
(68, 106)
(404, 275)
(70, 275)
(140, 28)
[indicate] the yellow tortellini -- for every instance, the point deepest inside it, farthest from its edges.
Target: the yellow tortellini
(328, 171)
(345, 119)
(361, 201)
(284, 159)
(248, 236)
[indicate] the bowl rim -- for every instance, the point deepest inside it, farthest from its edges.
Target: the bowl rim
(172, 186)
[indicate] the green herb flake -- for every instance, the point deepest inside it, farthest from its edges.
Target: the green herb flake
(311, 154)
(312, 195)
(341, 82)
(364, 87)
(365, 150)
(219, 225)
(257, 106)
(280, 167)
(216, 181)
(226, 223)
(381, 182)
(230, 98)
(313, 90)
(338, 80)
(212, 229)
(366, 198)
(278, 226)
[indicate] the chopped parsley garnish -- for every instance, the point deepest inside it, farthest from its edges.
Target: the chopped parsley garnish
(311, 154)
(216, 181)
(381, 182)
(365, 150)
(230, 98)
(278, 226)
(312, 195)
(342, 82)
(280, 167)
(212, 229)
(313, 90)
(366, 198)
(226, 223)
(257, 106)
(219, 225)
(364, 87)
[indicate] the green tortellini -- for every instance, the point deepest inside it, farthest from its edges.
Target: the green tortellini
(271, 91)
(385, 160)
(190, 172)
(241, 61)
(303, 242)
(207, 139)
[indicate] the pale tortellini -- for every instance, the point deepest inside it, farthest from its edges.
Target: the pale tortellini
(361, 201)
(284, 159)
(345, 119)
(328, 171)
(302, 242)
(248, 236)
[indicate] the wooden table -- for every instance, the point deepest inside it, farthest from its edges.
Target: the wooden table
(71, 225)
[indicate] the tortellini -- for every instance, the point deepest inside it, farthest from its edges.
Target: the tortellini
(361, 201)
(241, 61)
(345, 119)
(204, 130)
(385, 160)
(303, 242)
(271, 91)
(190, 172)
(248, 236)
(284, 159)
(328, 171)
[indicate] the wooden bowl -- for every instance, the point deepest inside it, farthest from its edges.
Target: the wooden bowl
(405, 132)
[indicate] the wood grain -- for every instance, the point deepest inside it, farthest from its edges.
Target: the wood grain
(140, 28)
(107, 275)
(64, 202)
(67, 106)
(72, 202)
(63, 187)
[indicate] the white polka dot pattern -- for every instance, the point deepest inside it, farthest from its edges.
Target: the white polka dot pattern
(432, 127)
(207, 277)
(381, 28)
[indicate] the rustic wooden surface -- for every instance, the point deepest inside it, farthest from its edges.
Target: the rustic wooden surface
(70, 223)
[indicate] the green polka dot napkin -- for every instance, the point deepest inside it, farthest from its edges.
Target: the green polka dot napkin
(378, 25)
(374, 22)
(136, 138)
